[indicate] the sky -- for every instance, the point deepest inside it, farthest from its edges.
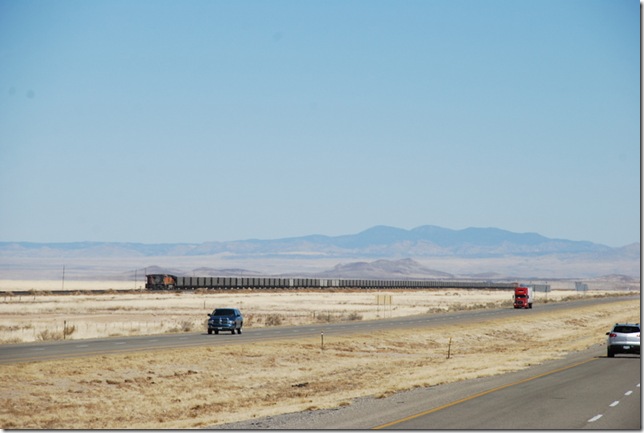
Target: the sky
(193, 121)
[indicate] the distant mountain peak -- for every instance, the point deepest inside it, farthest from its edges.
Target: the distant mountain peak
(402, 268)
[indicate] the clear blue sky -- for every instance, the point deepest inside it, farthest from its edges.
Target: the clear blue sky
(191, 121)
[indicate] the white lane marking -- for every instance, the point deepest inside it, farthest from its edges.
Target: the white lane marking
(38, 348)
(613, 404)
(82, 345)
(120, 342)
(152, 341)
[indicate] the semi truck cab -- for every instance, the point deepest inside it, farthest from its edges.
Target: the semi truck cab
(522, 297)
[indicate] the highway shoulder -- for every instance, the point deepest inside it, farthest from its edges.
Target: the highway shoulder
(371, 412)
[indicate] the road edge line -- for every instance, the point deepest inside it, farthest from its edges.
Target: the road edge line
(480, 394)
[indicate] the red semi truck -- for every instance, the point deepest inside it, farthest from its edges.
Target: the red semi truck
(522, 297)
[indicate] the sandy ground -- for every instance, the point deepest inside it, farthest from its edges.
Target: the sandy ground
(198, 387)
(71, 285)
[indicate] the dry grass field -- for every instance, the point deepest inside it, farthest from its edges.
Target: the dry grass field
(198, 387)
(40, 317)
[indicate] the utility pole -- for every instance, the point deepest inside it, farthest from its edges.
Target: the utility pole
(63, 277)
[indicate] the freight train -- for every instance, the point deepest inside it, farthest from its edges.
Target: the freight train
(173, 282)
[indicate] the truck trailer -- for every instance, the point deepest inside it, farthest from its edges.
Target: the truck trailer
(522, 297)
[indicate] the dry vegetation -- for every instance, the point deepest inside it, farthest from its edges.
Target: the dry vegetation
(40, 316)
(199, 387)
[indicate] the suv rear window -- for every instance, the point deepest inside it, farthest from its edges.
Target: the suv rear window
(626, 329)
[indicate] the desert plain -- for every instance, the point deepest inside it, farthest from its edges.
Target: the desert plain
(208, 386)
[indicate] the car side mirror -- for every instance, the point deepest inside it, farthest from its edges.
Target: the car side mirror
(607, 333)
(208, 315)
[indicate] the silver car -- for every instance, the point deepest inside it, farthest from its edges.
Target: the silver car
(624, 338)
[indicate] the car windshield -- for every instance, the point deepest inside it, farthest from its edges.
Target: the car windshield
(626, 329)
(223, 312)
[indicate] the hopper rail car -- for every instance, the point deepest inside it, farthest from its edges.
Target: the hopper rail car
(173, 282)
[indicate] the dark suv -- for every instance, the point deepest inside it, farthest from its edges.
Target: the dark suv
(225, 319)
(624, 338)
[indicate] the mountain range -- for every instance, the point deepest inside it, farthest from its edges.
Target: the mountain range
(428, 243)
(376, 242)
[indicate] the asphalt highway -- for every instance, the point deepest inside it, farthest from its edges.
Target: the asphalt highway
(39, 351)
(583, 390)
(595, 393)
